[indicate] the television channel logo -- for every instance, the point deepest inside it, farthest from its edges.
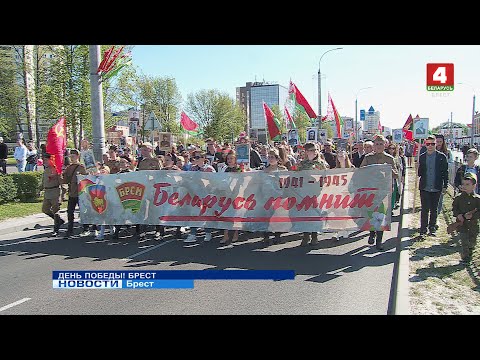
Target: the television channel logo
(440, 77)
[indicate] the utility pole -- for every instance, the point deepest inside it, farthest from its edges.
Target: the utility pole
(320, 87)
(473, 121)
(451, 126)
(96, 98)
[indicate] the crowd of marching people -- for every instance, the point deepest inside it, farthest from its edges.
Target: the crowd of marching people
(222, 157)
(219, 157)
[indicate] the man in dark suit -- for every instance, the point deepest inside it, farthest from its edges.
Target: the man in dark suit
(358, 156)
(433, 174)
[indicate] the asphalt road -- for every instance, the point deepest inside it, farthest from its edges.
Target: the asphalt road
(345, 277)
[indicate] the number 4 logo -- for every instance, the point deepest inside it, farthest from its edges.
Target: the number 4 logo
(440, 77)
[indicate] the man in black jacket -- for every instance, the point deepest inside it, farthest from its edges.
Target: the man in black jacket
(358, 156)
(433, 174)
(3, 156)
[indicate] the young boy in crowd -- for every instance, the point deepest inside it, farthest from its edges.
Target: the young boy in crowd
(463, 205)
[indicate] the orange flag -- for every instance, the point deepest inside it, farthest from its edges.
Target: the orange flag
(57, 143)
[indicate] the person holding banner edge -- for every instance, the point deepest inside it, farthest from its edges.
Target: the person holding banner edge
(378, 156)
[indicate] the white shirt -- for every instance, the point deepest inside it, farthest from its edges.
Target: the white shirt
(20, 153)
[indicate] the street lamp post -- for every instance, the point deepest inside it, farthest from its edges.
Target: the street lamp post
(320, 87)
(356, 112)
(473, 112)
(96, 99)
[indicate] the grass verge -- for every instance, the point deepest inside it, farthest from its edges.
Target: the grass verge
(21, 209)
(11, 161)
(439, 283)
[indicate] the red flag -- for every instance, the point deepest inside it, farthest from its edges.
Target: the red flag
(187, 123)
(332, 114)
(291, 123)
(57, 143)
(408, 135)
(113, 60)
(106, 56)
(408, 128)
(299, 99)
(272, 122)
(409, 123)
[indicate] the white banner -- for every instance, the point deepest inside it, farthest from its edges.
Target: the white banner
(333, 199)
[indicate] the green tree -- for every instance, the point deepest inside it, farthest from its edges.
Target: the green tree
(303, 122)
(166, 101)
(328, 128)
(217, 114)
(11, 94)
(70, 97)
(118, 90)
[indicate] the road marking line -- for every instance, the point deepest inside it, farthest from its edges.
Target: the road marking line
(14, 304)
(149, 249)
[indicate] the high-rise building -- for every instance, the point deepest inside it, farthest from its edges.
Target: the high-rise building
(251, 98)
(372, 120)
(243, 98)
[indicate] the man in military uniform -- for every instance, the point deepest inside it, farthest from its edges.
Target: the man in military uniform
(312, 161)
(51, 183)
(70, 179)
(149, 162)
(463, 203)
(378, 156)
(114, 162)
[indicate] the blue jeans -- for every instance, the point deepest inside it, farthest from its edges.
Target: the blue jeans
(31, 167)
(21, 166)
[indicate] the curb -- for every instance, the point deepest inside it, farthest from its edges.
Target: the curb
(28, 223)
(402, 297)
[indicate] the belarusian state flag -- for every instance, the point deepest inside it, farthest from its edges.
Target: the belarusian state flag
(290, 119)
(190, 126)
(337, 117)
(300, 102)
(408, 128)
(272, 122)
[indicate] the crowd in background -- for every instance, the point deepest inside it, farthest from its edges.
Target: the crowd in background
(222, 157)
(279, 156)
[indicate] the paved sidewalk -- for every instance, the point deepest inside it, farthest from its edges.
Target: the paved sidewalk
(402, 290)
(28, 222)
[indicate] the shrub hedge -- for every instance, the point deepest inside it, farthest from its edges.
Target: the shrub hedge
(8, 189)
(24, 186)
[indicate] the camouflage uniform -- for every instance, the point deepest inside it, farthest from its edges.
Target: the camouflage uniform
(468, 231)
(149, 164)
(315, 164)
(114, 166)
(51, 183)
